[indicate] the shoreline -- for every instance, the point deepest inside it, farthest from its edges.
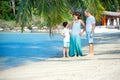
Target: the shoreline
(101, 28)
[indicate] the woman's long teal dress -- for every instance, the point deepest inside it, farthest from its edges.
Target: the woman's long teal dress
(75, 40)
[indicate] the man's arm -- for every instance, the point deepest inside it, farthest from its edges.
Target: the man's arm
(93, 28)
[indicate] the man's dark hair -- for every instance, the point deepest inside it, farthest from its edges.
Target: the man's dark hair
(65, 24)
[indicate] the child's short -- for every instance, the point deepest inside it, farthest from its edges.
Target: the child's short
(89, 39)
(66, 44)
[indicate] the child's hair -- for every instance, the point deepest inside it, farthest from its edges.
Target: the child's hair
(65, 24)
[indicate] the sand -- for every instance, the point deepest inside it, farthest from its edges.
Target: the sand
(104, 65)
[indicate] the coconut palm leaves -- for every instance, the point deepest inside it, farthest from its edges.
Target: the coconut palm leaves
(53, 12)
(95, 7)
(25, 13)
(111, 5)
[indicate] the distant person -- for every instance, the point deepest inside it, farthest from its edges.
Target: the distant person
(90, 27)
(75, 36)
(66, 35)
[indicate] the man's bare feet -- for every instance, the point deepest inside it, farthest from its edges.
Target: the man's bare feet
(90, 55)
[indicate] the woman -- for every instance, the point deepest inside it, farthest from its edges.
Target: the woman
(75, 36)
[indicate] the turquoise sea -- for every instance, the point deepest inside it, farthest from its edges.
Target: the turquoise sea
(20, 48)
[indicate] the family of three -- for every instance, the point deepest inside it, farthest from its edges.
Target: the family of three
(72, 35)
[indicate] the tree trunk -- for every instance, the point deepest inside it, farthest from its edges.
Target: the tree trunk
(13, 6)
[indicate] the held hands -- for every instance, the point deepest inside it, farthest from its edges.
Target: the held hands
(63, 35)
(91, 34)
(81, 33)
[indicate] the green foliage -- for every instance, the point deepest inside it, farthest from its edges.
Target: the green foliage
(6, 12)
(7, 24)
(52, 12)
(111, 5)
(24, 13)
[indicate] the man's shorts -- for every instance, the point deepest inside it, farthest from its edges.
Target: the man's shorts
(66, 44)
(89, 39)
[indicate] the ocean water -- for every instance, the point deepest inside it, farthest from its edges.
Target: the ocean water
(20, 48)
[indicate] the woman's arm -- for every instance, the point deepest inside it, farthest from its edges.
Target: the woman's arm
(84, 27)
(70, 25)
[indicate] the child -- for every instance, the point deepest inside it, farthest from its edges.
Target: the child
(66, 35)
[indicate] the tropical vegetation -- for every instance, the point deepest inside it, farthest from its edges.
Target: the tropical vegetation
(52, 12)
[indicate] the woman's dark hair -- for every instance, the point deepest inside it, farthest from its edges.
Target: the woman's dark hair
(77, 14)
(65, 24)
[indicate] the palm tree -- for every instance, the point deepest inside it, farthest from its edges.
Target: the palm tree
(53, 12)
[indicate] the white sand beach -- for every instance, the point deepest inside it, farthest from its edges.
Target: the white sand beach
(104, 65)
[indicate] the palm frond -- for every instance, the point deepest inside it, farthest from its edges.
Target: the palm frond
(53, 12)
(24, 13)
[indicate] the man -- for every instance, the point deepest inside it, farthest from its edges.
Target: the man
(90, 27)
